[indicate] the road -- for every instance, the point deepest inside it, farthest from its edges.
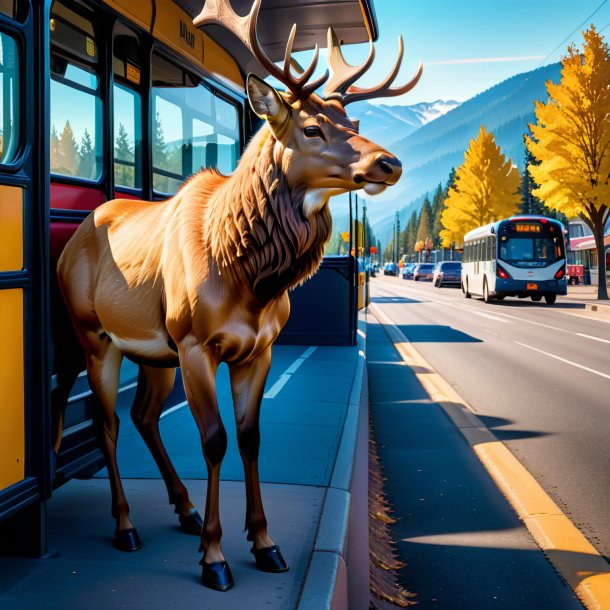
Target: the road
(538, 375)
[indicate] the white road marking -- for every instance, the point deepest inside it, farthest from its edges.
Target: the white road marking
(89, 392)
(579, 315)
(579, 366)
(275, 389)
(593, 338)
(471, 309)
(175, 408)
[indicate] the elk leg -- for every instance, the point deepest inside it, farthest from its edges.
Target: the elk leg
(103, 367)
(247, 385)
(199, 374)
(154, 386)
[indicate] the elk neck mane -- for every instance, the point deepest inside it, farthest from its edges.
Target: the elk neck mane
(254, 225)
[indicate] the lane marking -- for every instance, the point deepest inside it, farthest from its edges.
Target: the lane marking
(572, 555)
(579, 315)
(593, 338)
(90, 392)
(173, 409)
(471, 309)
(579, 366)
(275, 389)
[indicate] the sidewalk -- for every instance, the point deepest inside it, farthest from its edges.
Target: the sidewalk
(311, 444)
(588, 296)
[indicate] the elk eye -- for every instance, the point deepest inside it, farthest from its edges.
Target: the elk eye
(312, 131)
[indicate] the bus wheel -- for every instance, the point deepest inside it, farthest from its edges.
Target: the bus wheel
(486, 297)
(536, 297)
(465, 289)
(500, 298)
(550, 298)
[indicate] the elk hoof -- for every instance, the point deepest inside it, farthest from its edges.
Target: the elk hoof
(127, 540)
(192, 523)
(216, 575)
(270, 559)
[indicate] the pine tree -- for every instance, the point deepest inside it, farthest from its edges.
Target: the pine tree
(67, 149)
(159, 157)
(54, 149)
(123, 152)
(86, 165)
(450, 181)
(411, 234)
(485, 190)
(438, 205)
(424, 227)
(571, 141)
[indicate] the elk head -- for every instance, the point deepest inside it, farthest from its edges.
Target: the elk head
(317, 144)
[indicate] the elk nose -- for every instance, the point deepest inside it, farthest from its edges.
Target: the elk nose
(391, 167)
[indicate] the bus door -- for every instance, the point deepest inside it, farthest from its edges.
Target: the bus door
(24, 379)
(79, 182)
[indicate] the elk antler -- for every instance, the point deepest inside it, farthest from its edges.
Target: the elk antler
(343, 75)
(220, 12)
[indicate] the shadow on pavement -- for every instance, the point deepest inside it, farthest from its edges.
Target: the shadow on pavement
(387, 300)
(434, 333)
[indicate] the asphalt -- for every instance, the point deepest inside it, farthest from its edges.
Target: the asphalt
(463, 546)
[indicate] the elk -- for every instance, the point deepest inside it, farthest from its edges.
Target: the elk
(203, 277)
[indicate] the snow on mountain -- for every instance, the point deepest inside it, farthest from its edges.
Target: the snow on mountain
(386, 124)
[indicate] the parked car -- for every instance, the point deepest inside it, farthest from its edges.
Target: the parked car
(390, 269)
(423, 271)
(372, 270)
(447, 273)
(407, 271)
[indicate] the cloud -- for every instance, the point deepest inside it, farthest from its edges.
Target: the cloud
(482, 60)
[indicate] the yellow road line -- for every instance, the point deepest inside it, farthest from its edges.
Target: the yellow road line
(576, 560)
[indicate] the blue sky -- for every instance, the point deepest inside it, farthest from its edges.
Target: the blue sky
(469, 46)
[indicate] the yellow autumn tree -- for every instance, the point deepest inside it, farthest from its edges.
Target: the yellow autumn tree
(571, 141)
(485, 189)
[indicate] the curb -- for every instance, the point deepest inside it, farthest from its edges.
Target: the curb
(327, 583)
(600, 309)
(580, 565)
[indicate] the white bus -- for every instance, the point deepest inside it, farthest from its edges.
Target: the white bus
(521, 256)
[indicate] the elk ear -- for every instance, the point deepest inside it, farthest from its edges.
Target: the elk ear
(266, 101)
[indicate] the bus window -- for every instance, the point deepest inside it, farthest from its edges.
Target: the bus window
(204, 145)
(168, 146)
(126, 62)
(127, 138)
(228, 136)
(9, 101)
(193, 127)
(76, 109)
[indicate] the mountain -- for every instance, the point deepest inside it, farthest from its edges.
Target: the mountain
(386, 124)
(429, 153)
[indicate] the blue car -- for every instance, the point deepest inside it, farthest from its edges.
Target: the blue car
(407, 271)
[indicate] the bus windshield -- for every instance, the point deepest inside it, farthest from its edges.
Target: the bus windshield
(530, 251)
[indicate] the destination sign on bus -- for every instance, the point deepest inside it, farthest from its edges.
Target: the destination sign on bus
(527, 228)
